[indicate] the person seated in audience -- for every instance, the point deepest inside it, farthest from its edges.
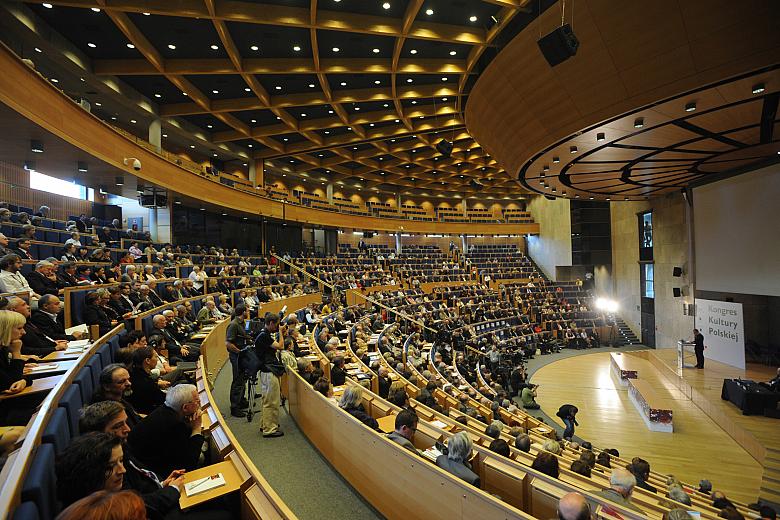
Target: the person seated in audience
(135, 250)
(405, 428)
(499, 446)
(82, 254)
(106, 504)
(719, 500)
(705, 486)
(171, 437)
(98, 275)
(146, 395)
(523, 442)
(730, 513)
(22, 248)
(573, 506)
(12, 379)
(49, 319)
(224, 305)
(4, 250)
(43, 280)
(205, 314)
(75, 239)
(547, 463)
(128, 343)
(767, 513)
(67, 275)
(384, 382)
(171, 292)
(11, 279)
(120, 302)
(678, 494)
(114, 385)
(456, 461)
(323, 386)
(94, 312)
(337, 374)
(177, 350)
(84, 275)
(580, 467)
(352, 402)
(34, 342)
(641, 471)
(92, 462)
(622, 484)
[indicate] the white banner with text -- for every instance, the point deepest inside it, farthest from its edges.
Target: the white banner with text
(722, 325)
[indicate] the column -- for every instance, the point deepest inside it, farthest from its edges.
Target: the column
(398, 243)
(153, 223)
(398, 200)
(155, 134)
(329, 192)
(465, 206)
(257, 172)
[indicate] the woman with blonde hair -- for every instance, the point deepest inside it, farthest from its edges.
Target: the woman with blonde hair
(11, 361)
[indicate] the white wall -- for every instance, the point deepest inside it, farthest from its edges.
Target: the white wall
(553, 245)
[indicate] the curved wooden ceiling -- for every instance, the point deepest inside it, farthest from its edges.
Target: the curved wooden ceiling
(348, 91)
(611, 122)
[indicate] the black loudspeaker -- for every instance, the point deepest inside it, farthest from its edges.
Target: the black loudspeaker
(677, 292)
(444, 147)
(559, 45)
(368, 234)
(677, 272)
(476, 185)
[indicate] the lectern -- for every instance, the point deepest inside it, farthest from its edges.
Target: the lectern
(684, 348)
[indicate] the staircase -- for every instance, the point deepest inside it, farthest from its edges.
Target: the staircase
(625, 335)
(770, 484)
(539, 271)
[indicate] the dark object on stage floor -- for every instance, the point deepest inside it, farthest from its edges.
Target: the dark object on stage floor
(559, 45)
(444, 147)
(750, 397)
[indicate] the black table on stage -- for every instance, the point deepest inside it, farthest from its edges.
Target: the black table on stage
(748, 396)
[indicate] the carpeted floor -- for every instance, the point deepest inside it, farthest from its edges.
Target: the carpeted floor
(539, 361)
(309, 486)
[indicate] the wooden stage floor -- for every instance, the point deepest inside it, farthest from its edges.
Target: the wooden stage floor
(698, 448)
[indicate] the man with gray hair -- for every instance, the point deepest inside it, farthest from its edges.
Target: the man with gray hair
(171, 437)
(622, 484)
(456, 461)
(4, 246)
(523, 442)
(34, 342)
(43, 279)
(48, 318)
(573, 506)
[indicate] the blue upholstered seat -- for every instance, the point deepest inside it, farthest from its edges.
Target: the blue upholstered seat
(57, 431)
(40, 486)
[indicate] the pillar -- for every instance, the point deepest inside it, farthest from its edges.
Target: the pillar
(257, 172)
(398, 200)
(398, 243)
(155, 134)
(465, 206)
(329, 192)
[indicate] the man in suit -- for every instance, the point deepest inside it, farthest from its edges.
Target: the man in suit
(23, 249)
(48, 318)
(177, 350)
(405, 426)
(171, 437)
(34, 341)
(698, 341)
(456, 461)
(67, 276)
(42, 280)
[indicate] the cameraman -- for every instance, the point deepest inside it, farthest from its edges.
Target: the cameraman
(236, 339)
(528, 397)
(271, 370)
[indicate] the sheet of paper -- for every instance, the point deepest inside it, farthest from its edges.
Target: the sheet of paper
(78, 343)
(204, 484)
(40, 367)
(78, 328)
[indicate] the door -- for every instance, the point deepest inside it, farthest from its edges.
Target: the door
(648, 322)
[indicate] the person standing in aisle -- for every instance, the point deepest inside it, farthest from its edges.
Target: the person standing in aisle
(698, 340)
(271, 370)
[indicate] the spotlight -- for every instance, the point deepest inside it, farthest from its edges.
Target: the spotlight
(36, 146)
(607, 305)
(600, 136)
(556, 160)
(81, 166)
(639, 122)
(758, 88)
(120, 181)
(690, 107)
(572, 149)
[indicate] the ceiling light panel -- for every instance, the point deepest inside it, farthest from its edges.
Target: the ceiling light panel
(353, 45)
(191, 37)
(273, 41)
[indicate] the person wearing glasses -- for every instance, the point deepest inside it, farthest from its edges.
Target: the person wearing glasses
(405, 428)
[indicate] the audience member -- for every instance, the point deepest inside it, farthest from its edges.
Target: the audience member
(456, 461)
(573, 506)
(92, 462)
(146, 395)
(547, 463)
(622, 484)
(405, 428)
(106, 505)
(352, 402)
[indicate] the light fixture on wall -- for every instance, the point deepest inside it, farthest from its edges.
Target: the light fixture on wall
(120, 181)
(81, 166)
(36, 146)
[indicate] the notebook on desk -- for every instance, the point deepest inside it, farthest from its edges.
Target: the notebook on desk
(204, 484)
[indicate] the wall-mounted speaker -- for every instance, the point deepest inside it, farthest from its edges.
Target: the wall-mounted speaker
(677, 272)
(444, 147)
(677, 292)
(559, 45)
(368, 234)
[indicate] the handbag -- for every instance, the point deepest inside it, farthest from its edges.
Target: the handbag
(249, 362)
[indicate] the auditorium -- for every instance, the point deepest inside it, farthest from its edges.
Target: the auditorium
(403, 259)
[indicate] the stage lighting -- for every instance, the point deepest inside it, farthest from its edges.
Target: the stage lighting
(607, 305)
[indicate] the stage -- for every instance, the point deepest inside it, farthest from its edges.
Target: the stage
(711, 438)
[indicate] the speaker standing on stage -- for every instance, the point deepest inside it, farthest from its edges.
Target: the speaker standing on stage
(272, 369)
(698, 340)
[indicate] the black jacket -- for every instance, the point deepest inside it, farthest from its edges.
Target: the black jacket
(42, 285)
(95, 315)
(360, 414)
(35, 342)
(53, 329)
(11, 370)
(337, 376)
(146, 394)
(159, 501)
(567, 412)
(163, 442)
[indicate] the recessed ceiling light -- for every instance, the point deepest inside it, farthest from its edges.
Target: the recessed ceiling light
(95, 9)
(758, 89)
(409, 80)
(215, 47)
(183, 93)
(296, 48)
(429, 12)
(98, 104)
(690, 107)
(556, 160)
(303, 115)
(130, 46)
(600, 136)
(413, 51)
(397, 120)
(171, 46)
(146, 14)
(133, 121)
(113, 118)
(386, 5)
(572, 149)
(371, 124)
(343, 83)
(209, 126)
(158, 96)
(311, 85)
(247, 89)
(472, 18)
(336, 49)
(91, 45)
(639, 122)
(38, 50)
(377, 82)
(192, 146)
(453, 53)
(250, 145)
(327, 132)
(278, 87)
(285, 139)
(55, 80)
(414, 102)
(444, 99)
(215, 91)
(385, 105)
(46, 5)
(357, 109)
(278, 118)
(254, 48)
(444, 78)
(375, 51)
(253, 121)
(330, 111)
(215, 155)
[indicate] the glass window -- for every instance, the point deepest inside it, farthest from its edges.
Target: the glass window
(39, 181)
(647, 230)
(649, 291)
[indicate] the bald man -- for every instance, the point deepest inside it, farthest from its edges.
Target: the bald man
(573, 506)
